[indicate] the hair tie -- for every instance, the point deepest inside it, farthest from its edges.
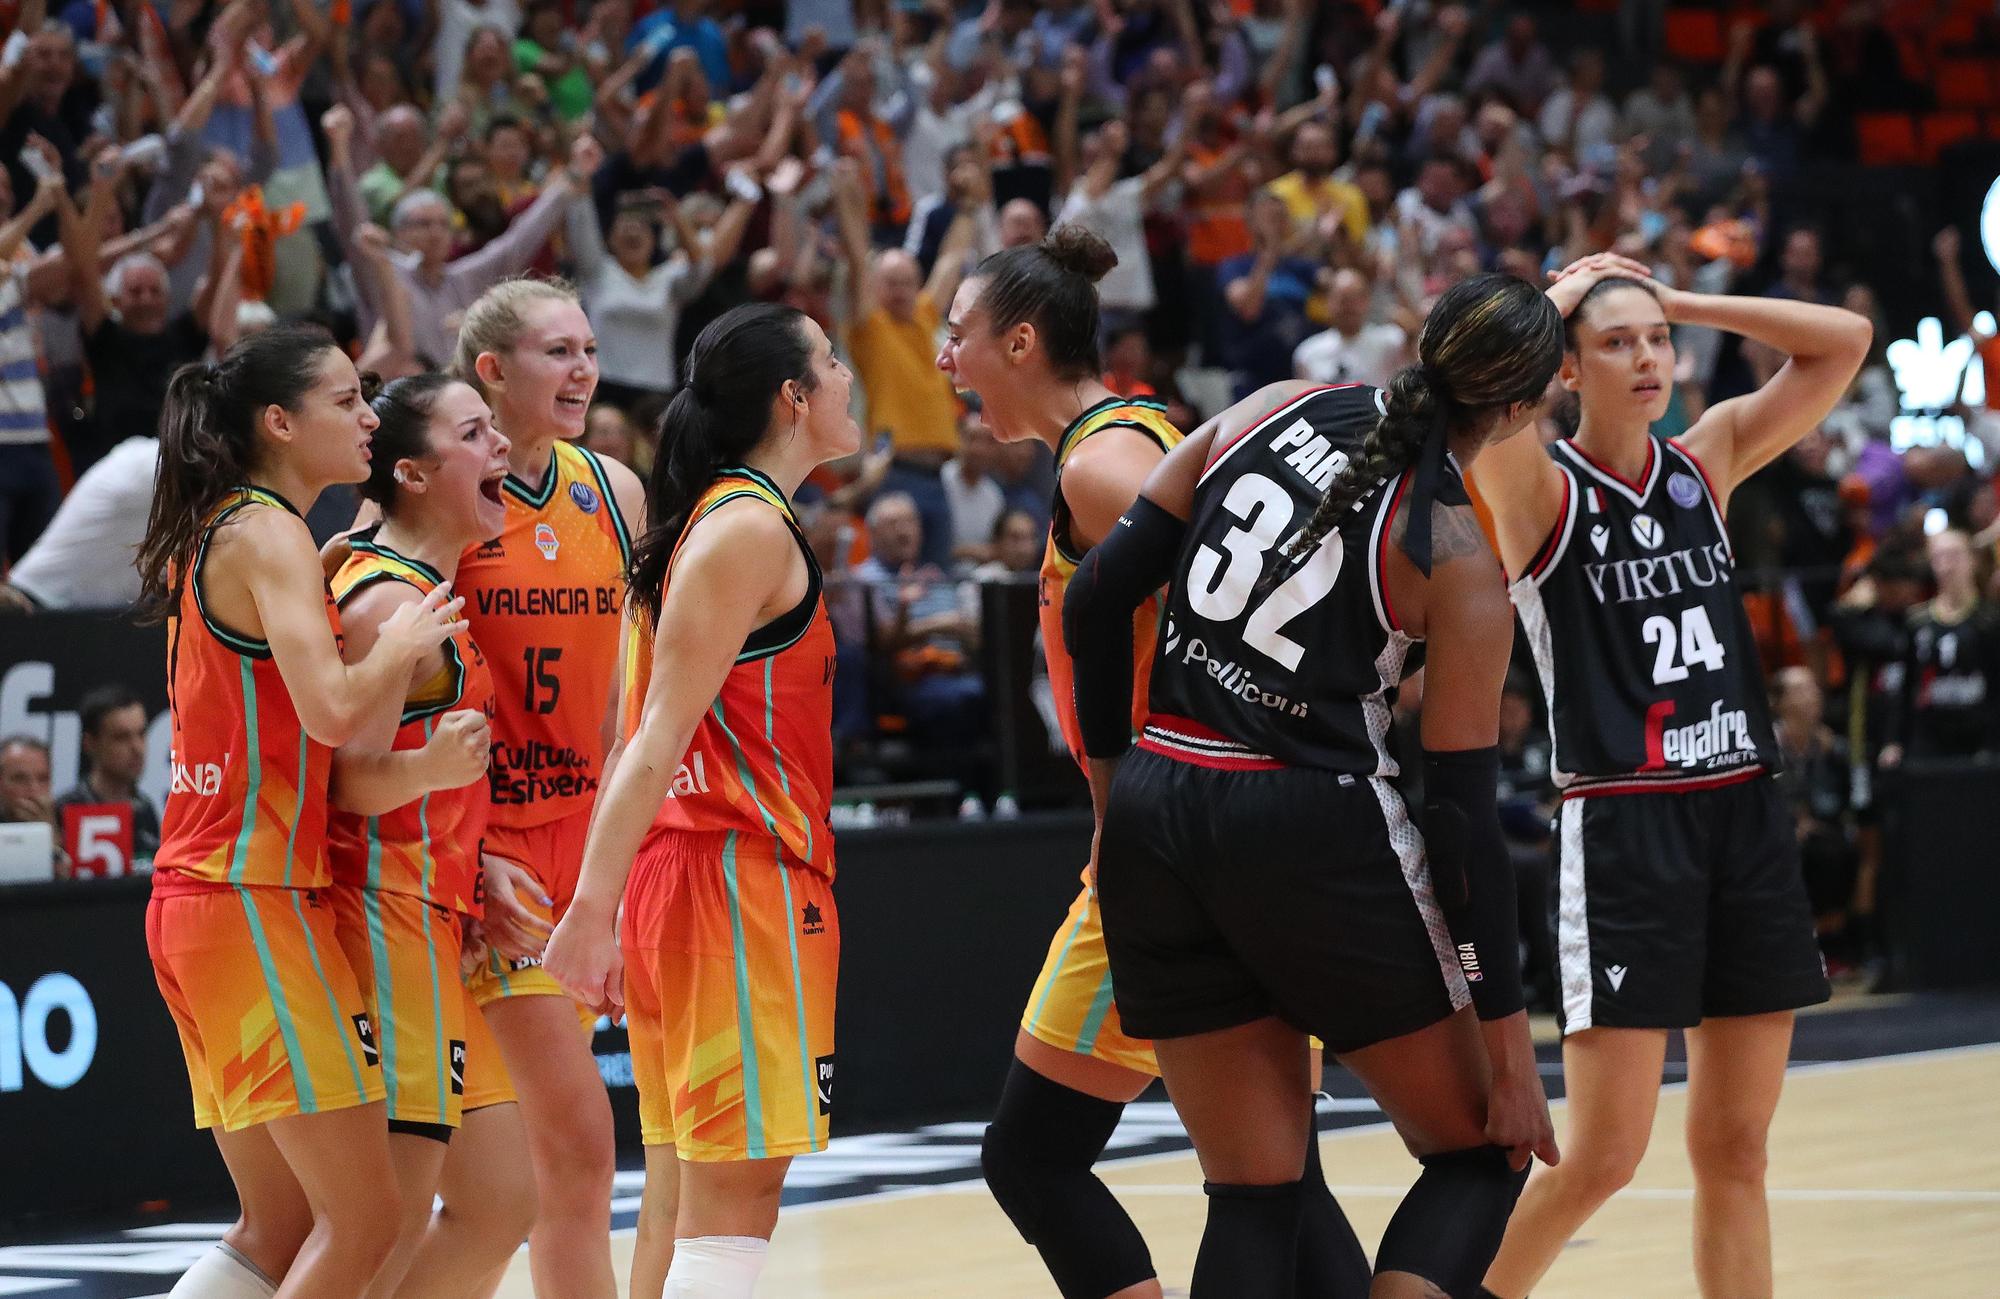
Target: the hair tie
(1427, 475)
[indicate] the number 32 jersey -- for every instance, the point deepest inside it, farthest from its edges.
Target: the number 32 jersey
(1639, 633)
(1304, 673)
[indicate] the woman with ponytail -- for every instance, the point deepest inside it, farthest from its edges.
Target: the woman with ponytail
(411, 805)
(725, 958)
(543, 595)
(1682, 903)
(1261, 878)
(1023, 336)
(281, 1053)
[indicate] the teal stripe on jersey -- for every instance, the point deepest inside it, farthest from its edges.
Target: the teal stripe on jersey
(298, 809)
(1055, 970)
(288, 1028)
(374, 853)
(778, 760)
(441, 1048)
(1093, 1021)
(385, 999)
(799, 1004)
(746, 1025)
(253, 784)
(424, 825)
(743, 770)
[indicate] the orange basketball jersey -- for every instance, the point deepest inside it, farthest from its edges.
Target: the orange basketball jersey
(761, 760)
(247, 800)
(544, 598)
(1061, 557)
(428, 848)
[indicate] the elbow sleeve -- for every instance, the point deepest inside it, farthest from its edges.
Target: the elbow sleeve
(1472, 875)
(1118, 575)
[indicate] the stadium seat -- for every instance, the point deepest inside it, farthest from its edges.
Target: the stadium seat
(1886, 139)
(1695, 35)
(1941, 130)
(1964, 83)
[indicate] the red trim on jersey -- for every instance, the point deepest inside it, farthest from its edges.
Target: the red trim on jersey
(1547, 554)
(1702, 469)
(1645, 475)
(1227, 753)
(1382, 551)
(1216, 453)
(1215, 762)
(1668, 785)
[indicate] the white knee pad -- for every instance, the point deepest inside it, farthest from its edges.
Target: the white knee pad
(716, 1267)
(223, 1273)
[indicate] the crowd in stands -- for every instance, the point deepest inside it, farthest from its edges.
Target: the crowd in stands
(1288, 185)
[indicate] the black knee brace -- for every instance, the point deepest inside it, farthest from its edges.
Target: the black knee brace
(1450, 1224)
(1249, 1249)
(1037, 1156)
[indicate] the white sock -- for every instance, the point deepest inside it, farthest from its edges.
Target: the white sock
(715, 1267)
(223, 1273)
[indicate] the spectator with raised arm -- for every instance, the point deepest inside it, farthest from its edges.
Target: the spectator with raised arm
(439, 288)
(29, 489)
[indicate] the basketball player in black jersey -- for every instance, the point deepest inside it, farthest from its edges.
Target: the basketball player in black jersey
(1681, 899)
(1260, 877)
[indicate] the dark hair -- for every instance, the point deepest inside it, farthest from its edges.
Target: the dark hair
(1604, 287)
(404, 407)
(208, 444)
(1051, 285)
(507, 122)
(735, 369)
(1010, 514)
(1492, 340)
(102, 702)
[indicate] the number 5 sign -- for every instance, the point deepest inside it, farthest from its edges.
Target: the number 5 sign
(98, 839)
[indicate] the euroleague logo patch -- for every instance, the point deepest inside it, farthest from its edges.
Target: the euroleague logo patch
(545, 540)
(1685, 491)
(585, 499)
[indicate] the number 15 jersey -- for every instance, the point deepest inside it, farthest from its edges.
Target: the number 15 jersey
(544, 600)
(1304, 673)
(1639, 632)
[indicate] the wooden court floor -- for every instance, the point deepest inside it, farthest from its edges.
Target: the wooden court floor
(1885, 1184)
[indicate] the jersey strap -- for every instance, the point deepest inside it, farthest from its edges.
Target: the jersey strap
(373, 562)
(1146, 417)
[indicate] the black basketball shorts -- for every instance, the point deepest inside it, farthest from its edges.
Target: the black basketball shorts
(1672, 907)
(1229, 896)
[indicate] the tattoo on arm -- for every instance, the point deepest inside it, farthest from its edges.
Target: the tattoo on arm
(1455, 533)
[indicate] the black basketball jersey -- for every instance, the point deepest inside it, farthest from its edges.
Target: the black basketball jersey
(1639, 632)
(1302, 674)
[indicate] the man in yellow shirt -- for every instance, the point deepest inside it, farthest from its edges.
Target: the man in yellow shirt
(892, 341)
(1310, 191)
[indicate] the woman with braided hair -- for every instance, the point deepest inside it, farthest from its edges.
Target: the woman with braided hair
(1260, 877)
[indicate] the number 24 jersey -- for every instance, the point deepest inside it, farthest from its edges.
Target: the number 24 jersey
(1302, 670)
(1639, 632)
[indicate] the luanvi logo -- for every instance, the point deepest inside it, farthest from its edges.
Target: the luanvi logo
(26, 1050)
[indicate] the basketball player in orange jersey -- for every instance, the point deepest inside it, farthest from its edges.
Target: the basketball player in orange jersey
(1023, 335)
(730, 943)
(411, 804)
(281, 1053)
(1681, 903)
(544, 598)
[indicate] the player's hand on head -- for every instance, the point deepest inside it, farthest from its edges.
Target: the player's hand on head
(514, 929)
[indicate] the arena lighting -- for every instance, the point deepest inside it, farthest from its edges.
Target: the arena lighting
(1989, 223)
(1932, 376)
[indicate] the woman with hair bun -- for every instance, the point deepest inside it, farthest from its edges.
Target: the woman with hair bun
(1261, 878)
(1023, 335)
(280, 1051)
(1681, 902)
(726, 957)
